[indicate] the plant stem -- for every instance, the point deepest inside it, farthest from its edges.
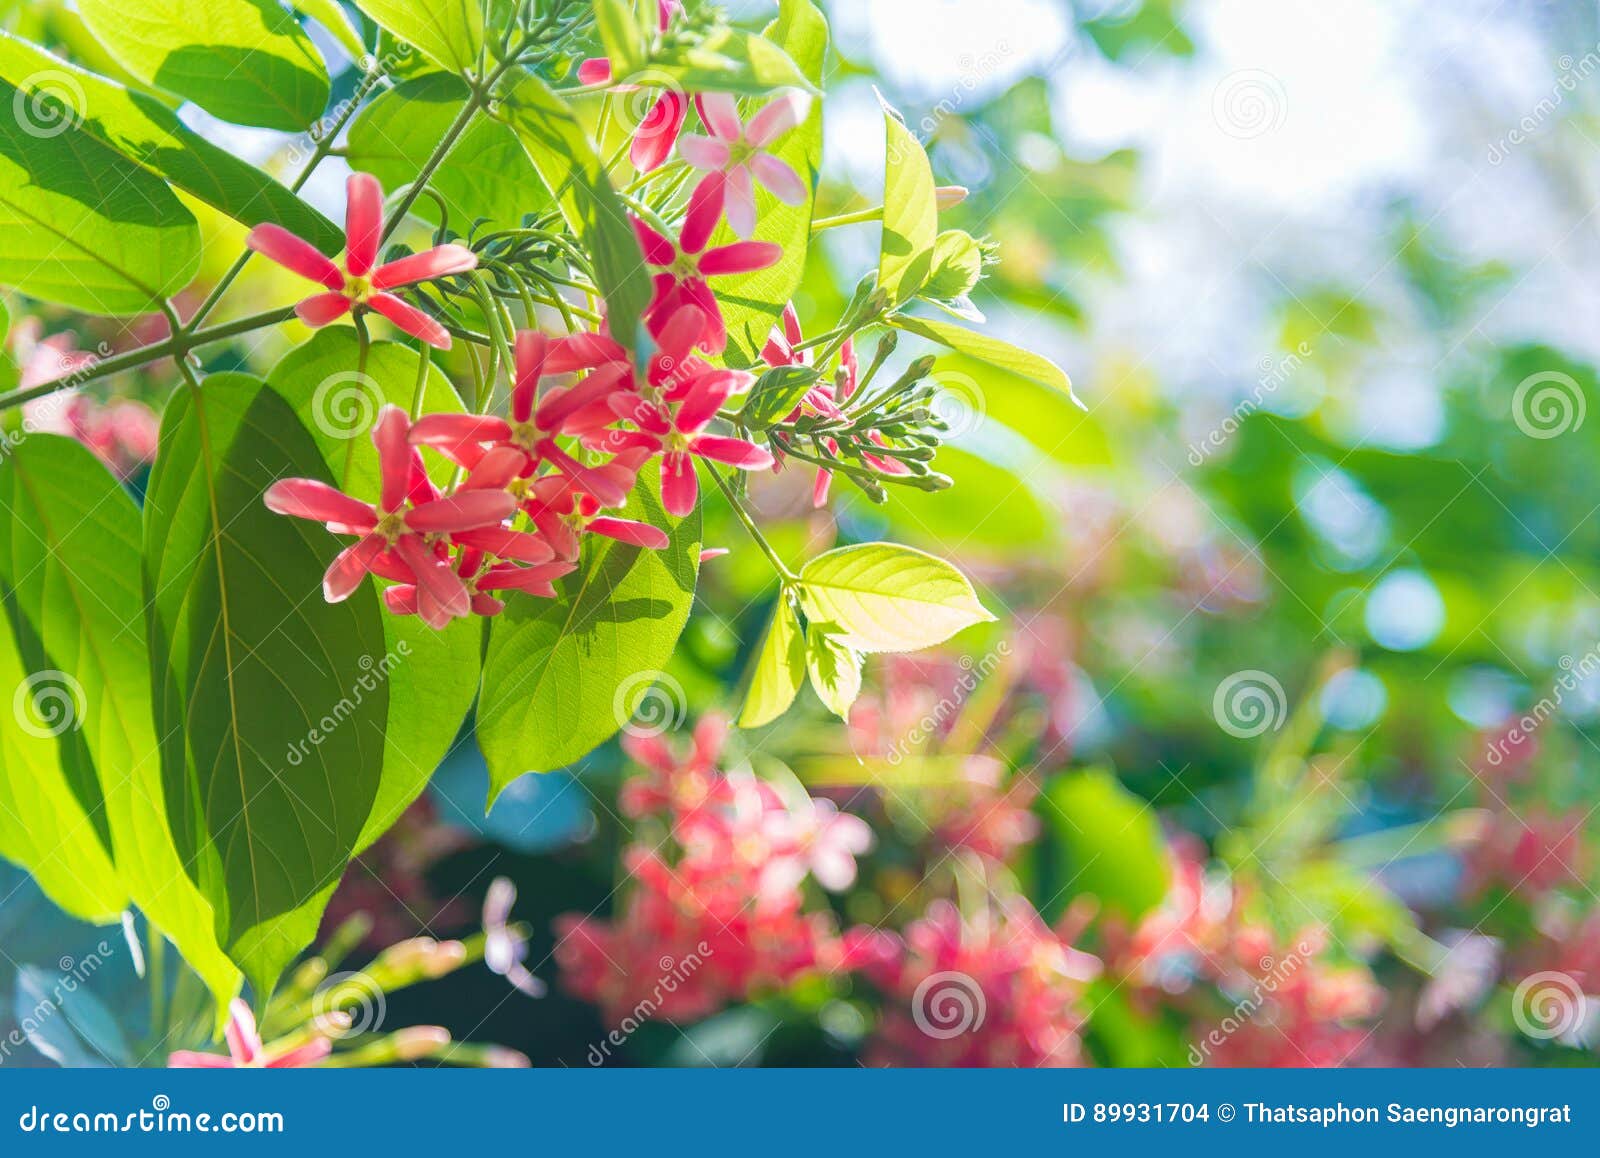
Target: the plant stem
(860, 215)
(788, 577)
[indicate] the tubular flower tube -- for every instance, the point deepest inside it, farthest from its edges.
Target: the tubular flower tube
(363, 284)
(734, 158)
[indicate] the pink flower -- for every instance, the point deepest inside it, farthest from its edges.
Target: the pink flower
(675, 431)
(398, 536)
(658, 132)
(246, 1051)
(359, 284)
(683, 270)
(564, 512)
(734, 158)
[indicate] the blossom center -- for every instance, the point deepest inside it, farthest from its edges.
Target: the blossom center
(357, 289)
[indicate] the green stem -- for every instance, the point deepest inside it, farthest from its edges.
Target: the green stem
(788, 577)
(856, 218)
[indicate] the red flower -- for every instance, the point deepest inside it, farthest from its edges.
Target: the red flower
(398, 535)
(658, 132)
(246, 1051)
(359, 284)
(684, 270)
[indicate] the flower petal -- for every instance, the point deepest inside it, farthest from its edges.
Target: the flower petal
(628, 531)
(720, 112)
(275, 243)
(740, 257)
(531, 350)
(740, 201)
(244, 1041)
(658, 132)
(708, 153)
(390, 434)
(782, 113)
(350, 567)
(462, 512)
(441, 596)
(308, 498)
(782, 181)
(363, 222)
(705, 397)
(440, 261)
(658, 250)
(496, 470)
(679, 486)
(504, 544)
(401, 600)
(582, 351)
(451, 429)
(732, 451)
(410, 319)
(320, 309)
(595, 70)
(705, 210)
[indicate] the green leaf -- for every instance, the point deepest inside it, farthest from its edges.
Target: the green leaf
(779, 669)
(150, 134)
(620, 36)
(910, 211)
(332, 16)
(271, 746)
(46, 826)
(246, 61)
(447, 32)
(913, 771)
(752, 302)
(776, 393)
(885, 597)
(1111, 842)
(835, 668)
(73, 576)
(432, 676)
(487, 175)
(556, 669)
(83, 226)
(733, 60)
(566, 160)
(991, 351)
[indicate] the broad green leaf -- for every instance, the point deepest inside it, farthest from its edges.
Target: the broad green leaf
(271, 745)
(246, 61)
(779, 669)
(556, 669)
(150, 134)
(885, 597)
(752, 302)
(736, 61)
(1111, 842)
(447, 32)
(45, 825)
(576, 177)
(910, 212)
(835, 668)
(620, 35)
(989, 510)
(84, 226)
(992, 351)
(431, 675)
(486, 175)
(74, 553)
(776, 393)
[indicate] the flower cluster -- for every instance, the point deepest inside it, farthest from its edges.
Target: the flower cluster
(1001, 990)
(721, 892)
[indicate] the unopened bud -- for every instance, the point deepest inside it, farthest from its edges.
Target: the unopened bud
(949, 196)
(419, 1041)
